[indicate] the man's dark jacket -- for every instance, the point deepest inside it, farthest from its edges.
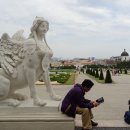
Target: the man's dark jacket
(74, 98)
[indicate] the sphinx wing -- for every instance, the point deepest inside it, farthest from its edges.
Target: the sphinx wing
(11, 54)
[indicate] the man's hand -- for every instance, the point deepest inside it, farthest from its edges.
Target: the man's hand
(95, 103)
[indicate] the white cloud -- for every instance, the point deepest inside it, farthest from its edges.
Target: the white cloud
(95, 10)
(83, 27)
(122, 3)
(123, 20)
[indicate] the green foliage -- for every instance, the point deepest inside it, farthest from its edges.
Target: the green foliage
(82, 70)
(120, 70)
(88, 71)
(67, 67)
(62, 70)
(60, 78)
(53, 77)
(101, 77)
(93, 72)
(125, 71)
(97, 74)
(108, 78)
(95, 66)
(71, 79)
(124, 64)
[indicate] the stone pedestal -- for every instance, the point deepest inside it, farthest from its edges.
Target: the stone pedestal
(29, 117)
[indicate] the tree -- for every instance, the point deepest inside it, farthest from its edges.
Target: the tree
(108, 78)
(120, 70)
(101, 77)
(97, 74)
(125, 71)
(93, 72)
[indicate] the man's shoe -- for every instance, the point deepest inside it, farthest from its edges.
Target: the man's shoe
(86, 129)
(94, 123)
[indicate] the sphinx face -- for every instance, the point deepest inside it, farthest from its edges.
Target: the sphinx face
(42, 29)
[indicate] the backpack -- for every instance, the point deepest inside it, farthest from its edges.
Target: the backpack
(127, 117)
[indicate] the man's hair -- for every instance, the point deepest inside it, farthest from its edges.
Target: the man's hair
(87, 83)
(129, 102)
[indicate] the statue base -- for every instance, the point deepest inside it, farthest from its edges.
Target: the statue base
(29, 117)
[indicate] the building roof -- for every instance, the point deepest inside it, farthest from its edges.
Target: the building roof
(124, 53)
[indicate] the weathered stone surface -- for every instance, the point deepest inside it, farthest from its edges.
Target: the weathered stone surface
(29, 117)
(23, 62)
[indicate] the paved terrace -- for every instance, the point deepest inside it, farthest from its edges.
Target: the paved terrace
(116, 97)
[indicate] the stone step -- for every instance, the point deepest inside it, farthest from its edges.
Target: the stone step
(56, 117)
(36, 121)
(28, 107)
(36, 125)
(106, 128)
(30, 117)
(105, 125)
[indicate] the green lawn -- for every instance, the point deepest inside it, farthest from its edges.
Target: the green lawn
(71, 79)
(70, 72)
(96, 79)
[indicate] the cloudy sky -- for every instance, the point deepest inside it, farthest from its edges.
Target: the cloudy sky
(78, 28)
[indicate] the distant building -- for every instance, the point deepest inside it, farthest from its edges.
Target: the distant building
(76, 62)
(56, 62)
(105, 61)
(116, 58)
(125, 56)
(79, 62)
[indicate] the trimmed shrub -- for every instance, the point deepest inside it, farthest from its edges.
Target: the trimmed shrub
(125, 71)
(101, 77)
(97, 74)
(60, 78)
(108, 77)
(93, 72)
(53, 77)
(120, 71)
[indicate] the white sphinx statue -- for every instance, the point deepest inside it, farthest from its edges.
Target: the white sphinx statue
(23, 62)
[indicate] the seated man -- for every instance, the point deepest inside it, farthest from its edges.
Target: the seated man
(75, 103)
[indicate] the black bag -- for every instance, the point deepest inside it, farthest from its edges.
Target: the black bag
(127, 117)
